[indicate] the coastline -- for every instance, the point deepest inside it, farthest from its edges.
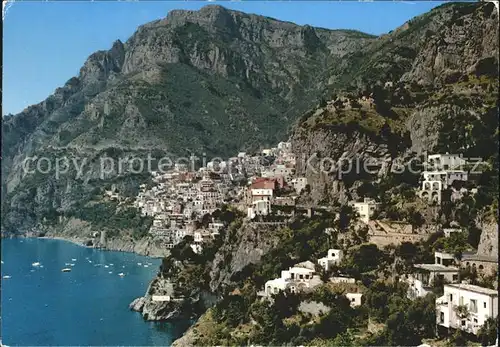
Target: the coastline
(73, 240)
(145, 247)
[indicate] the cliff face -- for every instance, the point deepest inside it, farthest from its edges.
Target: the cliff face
(244, 247)
(440, 71)
(191, 82)
(488, 244)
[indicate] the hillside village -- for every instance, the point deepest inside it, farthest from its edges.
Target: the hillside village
(264, 188)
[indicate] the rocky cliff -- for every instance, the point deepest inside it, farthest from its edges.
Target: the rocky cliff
(440, 71)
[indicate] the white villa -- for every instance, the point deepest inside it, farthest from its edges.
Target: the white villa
(365, 209)
(478, 305)
(300, 277)
(443, 170)
(424, 276)
(333, 257)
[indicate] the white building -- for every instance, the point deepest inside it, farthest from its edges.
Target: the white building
(267, 152)
(448, 231)
(297, 278)
(355, 299)
(280, 170)
(365, 209)
(285, 146)
(349, 280)
(215, 227)
(466, 307)
(261, 194)
(299, 184)
(445, 161)
(443, 170)
(259, 208)
(424, 277)
(445, 177)
(333, 257)
(196, 247)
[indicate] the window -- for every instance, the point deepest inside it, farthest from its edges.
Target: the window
(441, 317)
(455, 277)
(451, 297)
(475, 320)
(352, 299)
(473, 306)
(463, 322)
(484, 304)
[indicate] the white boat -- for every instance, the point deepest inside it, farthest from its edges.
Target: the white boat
(111, 272)
(121, 274)
(106, 266)
(66, 269)
(67, 264)
(111, 264)
(71, 264)
(2, 261)
(146, 265)
(139, 264)
(35, 264)
(6, 277)
(73, 259)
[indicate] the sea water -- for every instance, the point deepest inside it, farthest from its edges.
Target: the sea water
(43, 306)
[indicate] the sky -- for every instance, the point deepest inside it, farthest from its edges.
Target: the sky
(46, 43)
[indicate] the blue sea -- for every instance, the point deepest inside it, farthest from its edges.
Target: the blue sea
(43, 306)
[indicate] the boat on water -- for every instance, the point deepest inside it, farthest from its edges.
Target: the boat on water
(35, 264)
(106, 266)
(146, 265)
(111, 272)
(139, 264)
(71, 264)
(73, 259)
(121, 274)
(6, 277)
(66, 269)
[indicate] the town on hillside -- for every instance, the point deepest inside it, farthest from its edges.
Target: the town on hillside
(265, 189)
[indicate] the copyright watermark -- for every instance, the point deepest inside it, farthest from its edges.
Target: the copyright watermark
(106, 167)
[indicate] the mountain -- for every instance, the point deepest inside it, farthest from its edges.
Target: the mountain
(219, 81)
(214, 81)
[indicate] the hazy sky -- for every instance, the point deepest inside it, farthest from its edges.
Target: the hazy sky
(46, 43)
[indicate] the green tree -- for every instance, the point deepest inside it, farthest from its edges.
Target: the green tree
(488, 333)
(345, 339)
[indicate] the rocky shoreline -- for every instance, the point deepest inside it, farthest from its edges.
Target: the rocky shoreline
(146, 247)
